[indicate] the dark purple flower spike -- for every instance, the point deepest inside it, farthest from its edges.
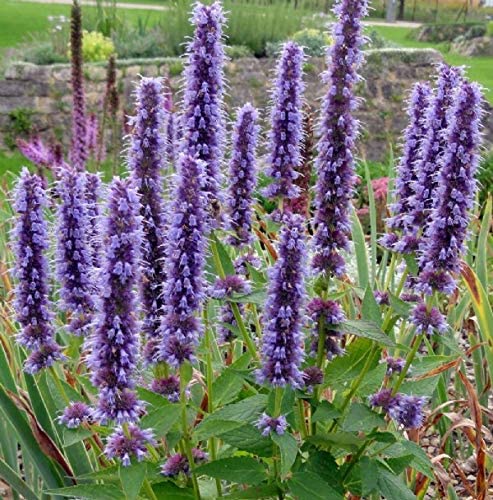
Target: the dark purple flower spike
(335, 161)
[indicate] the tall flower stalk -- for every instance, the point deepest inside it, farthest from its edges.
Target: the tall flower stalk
(114, 344)
(454, 199)
(92, 195)
(31, 272)
(184, 287)
(74, 253)
(286, 123)
(146, 159)
(203, 114)
(242, 175)
(282, 343)
(335, 161)
(78, 150)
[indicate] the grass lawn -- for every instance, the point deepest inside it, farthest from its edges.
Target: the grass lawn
(479, 69)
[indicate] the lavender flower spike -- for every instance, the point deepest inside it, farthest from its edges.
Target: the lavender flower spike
(455, 193)
(282, 345)
(74, 256)
(78, 149)
(31, 272)
(335, 161)
(132, 442)
(286, 132)
(433, 146)
(203, 119)
(114, 344)
(406, 170)
(93, 191)
(146, 161)
(183, 289)
(242, 175)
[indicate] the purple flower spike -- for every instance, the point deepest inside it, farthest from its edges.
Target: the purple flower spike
(31, 272)
(408, 411)
(286, 132)
(92, 194)
(203, 115)
(426, 321)
(36, 151)
(335, 161)
(406, 170)
(381, 298)
(282, 344)
(269, 424)
(146, 161)
(75, 415)
(183, 289)
(384, 399)
(455, 194)
(131, 442)
(114, 344)
(178, 464)
(433, 146)
(78, 149)
(242, 175)
(394, 365)
(74, 256)
(92, 131)
(312, 376)
(168, 387)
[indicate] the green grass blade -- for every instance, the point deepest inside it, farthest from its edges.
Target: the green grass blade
(360, 251)
(373, 225)
(481, 262)
(15, 481)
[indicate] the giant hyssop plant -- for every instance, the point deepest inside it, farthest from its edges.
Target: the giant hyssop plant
(191, 345)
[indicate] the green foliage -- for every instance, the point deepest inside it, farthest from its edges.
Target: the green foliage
(96, 47)
(315, 42)
(20, 125)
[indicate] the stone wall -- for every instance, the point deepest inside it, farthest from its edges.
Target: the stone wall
(388, 76)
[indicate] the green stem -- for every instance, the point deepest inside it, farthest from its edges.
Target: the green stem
(301, 410)
(148, 489)
(410, 357)
(356, 457)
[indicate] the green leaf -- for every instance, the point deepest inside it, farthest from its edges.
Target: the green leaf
(372, 381)
(227, 386)
(481, 262)
(289, 450)
(169, 490)
(132, 479)
(421, 366)
(214, 427)
(72, 436)
(256, 297)
(412, 265)
(400, 464)
(370, 310)
(323, 464)
(362, 480)
(248, 438)
(361, 418)
(392, 487)
(373, 223)
(425, 387)
(162, 419)
(367, 329)
(360, 250)
(340, 439)
(90, 492)
(420, 462)
(310, 486)
(400, 307)
(267, 491)
(226, 262)
(15, 481)
(240, 470)
(325, 411)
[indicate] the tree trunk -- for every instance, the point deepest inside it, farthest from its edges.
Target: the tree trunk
(391, 14)
(402, 5)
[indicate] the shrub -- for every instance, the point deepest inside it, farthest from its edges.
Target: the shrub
(314, 41)
(237, 51)
(96, 47)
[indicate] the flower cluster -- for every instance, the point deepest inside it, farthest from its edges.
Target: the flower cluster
(92, 193)
(146, 157)
(169, 387)
(75, 415)
(31, 271)
(335, 161)
(203, 119)
(178, 463)
(282, 343)
(127, 442)
(183, 290)
(74, 255)
(114, 344)
(286, 123)
(427, 320)
(404, 409)
(269, 424)
(445, 236)
(242, 175)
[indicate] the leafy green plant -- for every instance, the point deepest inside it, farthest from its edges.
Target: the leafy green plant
(96, 47)
(315, 42)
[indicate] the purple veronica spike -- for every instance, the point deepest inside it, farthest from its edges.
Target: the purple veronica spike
(433, 146)
(335, 161)
(286, 132)
(242, 175)
(455, 194)
(203, 118)
(114, 344)
(426, 321)
(31, 272)
(146, 160)
(282, 345)
(268, 424)
(170, 130)
(75, 415)
(92, 131)
(406, 170)
(183, 289)
(92, 193)
(124, 444)
(78, 149)
(74, 256)
(408, 411)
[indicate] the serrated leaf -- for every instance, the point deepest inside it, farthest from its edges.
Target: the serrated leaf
(323, 464)
(248, 438)
(362, 479)
(425, 387)
(169, 490)
(289, 449)
(361, 418)
(240, 470)
(372, 381)
(370, 310)
(90, 492)
(72, 436)
(132, 478)
(161, 419)
(325, 411)
(226, 387)
(421, 461)
(267, 491)
(399, 464)
(341, 439)
(368, 330)
(400, 307)
(310, 486)
(393, 487)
